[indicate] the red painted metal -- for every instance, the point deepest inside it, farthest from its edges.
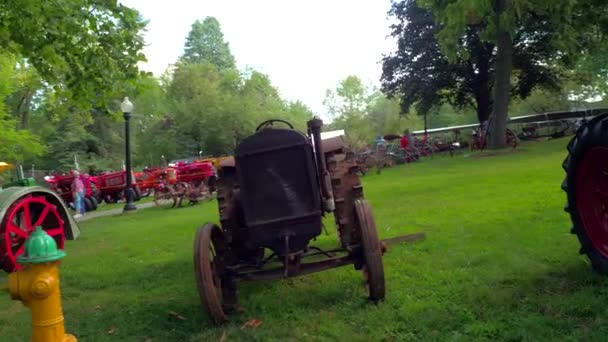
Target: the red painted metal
(20, 220)
(112, 184)
(196, 171)
(62, 184)
(592, 197)
(155, 178)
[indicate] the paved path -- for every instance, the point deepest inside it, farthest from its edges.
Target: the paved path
(110, 212)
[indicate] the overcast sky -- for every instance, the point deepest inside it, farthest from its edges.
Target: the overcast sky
(305, 47)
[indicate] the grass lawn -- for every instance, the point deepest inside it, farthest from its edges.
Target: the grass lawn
(498, 264)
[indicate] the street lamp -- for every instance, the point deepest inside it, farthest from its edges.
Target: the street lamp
(127, 107)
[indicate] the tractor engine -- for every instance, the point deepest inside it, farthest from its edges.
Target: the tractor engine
(279, 189)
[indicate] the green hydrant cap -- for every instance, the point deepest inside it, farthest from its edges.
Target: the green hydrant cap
(40, 247)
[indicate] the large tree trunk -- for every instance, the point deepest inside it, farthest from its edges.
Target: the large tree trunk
(483, 103)
(23, 108)
(502, 87)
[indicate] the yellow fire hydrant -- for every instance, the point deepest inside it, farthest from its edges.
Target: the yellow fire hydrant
(37, 286)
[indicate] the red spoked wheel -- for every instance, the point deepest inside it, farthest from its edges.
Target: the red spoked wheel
(592, 197)
(21, 218)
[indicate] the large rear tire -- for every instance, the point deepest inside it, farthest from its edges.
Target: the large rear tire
(20, 219)
(88, 204)
(94, 202)
(586, 185)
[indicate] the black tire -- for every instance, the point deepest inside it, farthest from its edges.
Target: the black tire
(94, 202)
(146, 193)
(588, 139)
(88, 205)
(372, 251)
(136, 193)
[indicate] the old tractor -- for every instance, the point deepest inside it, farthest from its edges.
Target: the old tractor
(25, 206)
(586, 185)
(272, 197)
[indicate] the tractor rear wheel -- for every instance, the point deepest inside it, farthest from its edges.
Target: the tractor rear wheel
(373, 269)
(94, 202)
(20, 220)
(346, 186)
(88, 205)
(216, 289)
(586, 185)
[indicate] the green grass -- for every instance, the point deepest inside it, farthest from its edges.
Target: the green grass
(108, 206)
(498, 264)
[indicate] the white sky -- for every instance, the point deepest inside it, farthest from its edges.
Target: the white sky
(305, 47)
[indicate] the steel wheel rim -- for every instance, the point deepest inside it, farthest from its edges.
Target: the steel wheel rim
(22, 218)
(207, 266)
(592, 197)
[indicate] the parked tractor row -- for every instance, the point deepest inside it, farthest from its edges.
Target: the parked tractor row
(185, 179)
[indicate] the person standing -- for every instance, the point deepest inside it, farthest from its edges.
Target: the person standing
(78, 194)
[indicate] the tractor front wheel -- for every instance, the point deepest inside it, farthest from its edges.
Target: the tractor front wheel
(373, 269)
(586, 185)
(216, 288)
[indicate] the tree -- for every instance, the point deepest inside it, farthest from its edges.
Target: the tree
(205, 43)
(15, 143)
(84, 47)
(572, 29)
(421, 73)
(347, 105)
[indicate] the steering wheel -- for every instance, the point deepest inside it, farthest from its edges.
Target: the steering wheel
(271, 121)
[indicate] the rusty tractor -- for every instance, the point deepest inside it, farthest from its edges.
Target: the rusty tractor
(195, 180)
(586, 186)
(25, 206)
(272, 197)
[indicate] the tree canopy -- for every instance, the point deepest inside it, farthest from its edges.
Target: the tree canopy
(483, 54)
(420, 73)
(205, 43)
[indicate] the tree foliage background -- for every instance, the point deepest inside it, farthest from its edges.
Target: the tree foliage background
(65, 66)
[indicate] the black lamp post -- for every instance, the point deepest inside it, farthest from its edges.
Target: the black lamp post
(127, 107)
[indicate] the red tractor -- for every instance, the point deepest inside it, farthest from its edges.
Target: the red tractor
(148, 179)
(586, 185)
(62, 184)
(112, 184)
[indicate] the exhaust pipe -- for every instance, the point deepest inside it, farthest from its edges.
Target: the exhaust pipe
(314, 129)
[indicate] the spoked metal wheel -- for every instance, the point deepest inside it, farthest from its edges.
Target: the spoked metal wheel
(21, 218)
(215, 287)
(373, 269)
(164, 198)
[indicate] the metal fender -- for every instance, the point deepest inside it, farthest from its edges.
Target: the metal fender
(9, 195)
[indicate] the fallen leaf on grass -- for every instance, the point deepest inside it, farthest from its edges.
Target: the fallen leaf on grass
(148, 339)
(252, 323)
(112, 330)
(176, 315)
(223, 338)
